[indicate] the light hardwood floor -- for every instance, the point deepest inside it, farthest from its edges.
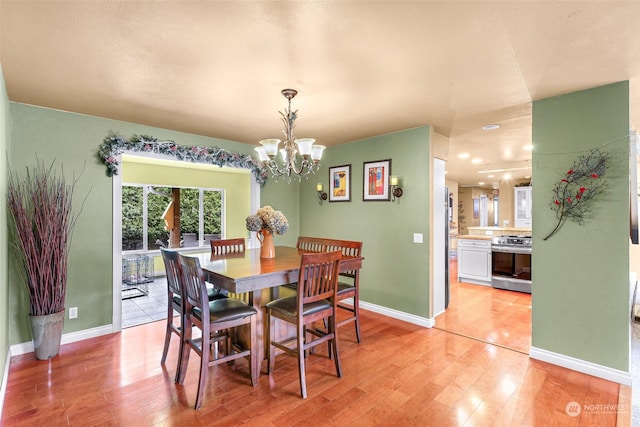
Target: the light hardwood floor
(401, 374)
(492, 315)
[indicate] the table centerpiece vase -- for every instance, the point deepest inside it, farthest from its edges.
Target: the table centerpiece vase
(267, 248)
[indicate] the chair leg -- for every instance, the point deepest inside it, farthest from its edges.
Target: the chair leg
(186, 349)
(255, 373)
(181, 347)
(300, 352)
(356, 309)
(329, 348)
(204, 369)
(336, 353)
(167, 334)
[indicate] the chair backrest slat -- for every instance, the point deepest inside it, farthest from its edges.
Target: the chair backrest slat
(227, 246)
(318, 276)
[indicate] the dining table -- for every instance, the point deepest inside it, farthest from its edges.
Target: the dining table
(259, 279)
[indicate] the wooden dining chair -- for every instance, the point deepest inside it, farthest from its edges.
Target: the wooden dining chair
(311, 244)
(348, 284)
(230, 248)
(224, 314)
(227, 246)
(315, 300)
(174, 302)
(174, 293)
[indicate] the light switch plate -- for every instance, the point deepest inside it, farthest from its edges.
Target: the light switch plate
(417, 237)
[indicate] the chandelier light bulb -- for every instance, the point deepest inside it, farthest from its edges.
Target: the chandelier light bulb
(270, 146)
(304, 146)
(262, 154)
(316, 152)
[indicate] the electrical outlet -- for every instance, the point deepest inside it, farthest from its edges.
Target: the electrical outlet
(73, 312)
(417, 237)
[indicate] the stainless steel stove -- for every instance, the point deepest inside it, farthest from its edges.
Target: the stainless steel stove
(511, 263)
(518, 243)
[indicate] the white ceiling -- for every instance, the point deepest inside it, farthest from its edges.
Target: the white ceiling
(216, 68)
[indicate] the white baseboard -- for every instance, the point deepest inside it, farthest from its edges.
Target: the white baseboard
(27, 347)
(400, 315)
(5, 378)
(580, 365)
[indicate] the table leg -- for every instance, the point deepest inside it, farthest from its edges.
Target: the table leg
(257, 337)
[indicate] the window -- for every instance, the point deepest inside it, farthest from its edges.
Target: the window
(143, 225)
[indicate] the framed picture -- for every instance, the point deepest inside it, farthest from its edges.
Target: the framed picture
(376, 180)
(340, 183)
(476, 208)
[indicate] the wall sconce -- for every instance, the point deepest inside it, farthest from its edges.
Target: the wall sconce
(321, 194)
(396, 189)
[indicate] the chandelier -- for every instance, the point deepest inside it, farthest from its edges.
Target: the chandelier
(298, 157)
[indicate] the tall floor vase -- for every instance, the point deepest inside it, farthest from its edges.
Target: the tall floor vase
(46, 332)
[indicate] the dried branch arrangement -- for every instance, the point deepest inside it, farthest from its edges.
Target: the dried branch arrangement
(582, 183)
(42, 219)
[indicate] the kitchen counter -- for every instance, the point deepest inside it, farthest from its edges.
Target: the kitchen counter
(472, 237)
(498, 231)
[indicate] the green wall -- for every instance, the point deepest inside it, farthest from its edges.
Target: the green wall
(4, 276)
(581, 296)
(580, 300)
(396, 270)
(73, 139)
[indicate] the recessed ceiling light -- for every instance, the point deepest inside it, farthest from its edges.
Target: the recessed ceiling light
(491, 127)
(528, 147)
(481, 183)
(464, 155)
(491, 176)
(476, 161)
(507, 176)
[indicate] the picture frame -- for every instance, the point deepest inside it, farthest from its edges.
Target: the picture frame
(376, 180)
(340, 183)
(476, 208)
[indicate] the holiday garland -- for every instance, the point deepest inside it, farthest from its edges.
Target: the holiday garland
(114, 145)
(582, 183)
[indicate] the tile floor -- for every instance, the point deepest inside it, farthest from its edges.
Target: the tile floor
(145, 309)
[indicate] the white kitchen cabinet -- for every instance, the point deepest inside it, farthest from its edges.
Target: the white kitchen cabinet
(522, 207)
(474, 261)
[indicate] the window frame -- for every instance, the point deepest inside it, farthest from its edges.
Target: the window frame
(145, 215)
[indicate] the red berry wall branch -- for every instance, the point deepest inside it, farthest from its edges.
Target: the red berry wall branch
(582, 183)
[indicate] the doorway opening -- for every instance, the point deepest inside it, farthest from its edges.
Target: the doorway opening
(481, 312)
(241, 196)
